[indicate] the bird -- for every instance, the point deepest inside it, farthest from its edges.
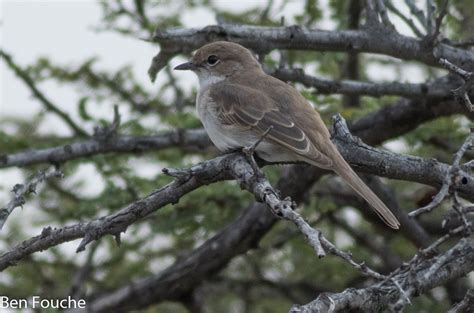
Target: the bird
(239, 104)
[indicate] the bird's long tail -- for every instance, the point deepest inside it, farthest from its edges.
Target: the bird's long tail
(343, 169)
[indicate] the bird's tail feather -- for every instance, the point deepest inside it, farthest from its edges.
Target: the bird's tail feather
(343, 169)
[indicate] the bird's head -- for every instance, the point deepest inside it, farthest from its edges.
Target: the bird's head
(218, 60)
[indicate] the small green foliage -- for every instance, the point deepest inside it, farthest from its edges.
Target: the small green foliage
(83, 110)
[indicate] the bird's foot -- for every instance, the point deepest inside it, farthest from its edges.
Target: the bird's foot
(249, 151)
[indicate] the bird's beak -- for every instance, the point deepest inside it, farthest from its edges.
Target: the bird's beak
(186, 66)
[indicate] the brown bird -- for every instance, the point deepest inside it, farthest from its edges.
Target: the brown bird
(238, 102)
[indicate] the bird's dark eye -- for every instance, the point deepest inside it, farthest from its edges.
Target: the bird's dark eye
(212, 60)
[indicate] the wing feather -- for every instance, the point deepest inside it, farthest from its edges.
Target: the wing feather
(247, 108)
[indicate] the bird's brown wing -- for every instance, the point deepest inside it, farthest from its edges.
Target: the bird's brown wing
(248, 108)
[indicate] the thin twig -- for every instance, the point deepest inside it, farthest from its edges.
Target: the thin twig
(404, 295)
(21, 190)
(466, 305)
(448, 179)
(455, 69)
(461, 93)
(356, 87)
(348, 258)
(389, 4)
(109, 131)
(312, 235)
(285, 209)
(159, 62)
(427, 252)
(432, 247)
(458, 207)
(371, 14)
(417, 12)
(48, 104)
(430, 16)
(78, 281)
(439, 262)
(443, 192)
(439, 19)
(382, 11)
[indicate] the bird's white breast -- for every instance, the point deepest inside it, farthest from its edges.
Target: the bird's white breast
(231, 137)
(224, 137)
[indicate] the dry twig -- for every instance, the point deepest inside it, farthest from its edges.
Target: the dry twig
(21, 190)
(449, 180)
(461, 93)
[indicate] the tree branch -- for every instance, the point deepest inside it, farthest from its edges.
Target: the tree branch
(187, 139)
(264, 39)
(465, 305)
(417, 13)
(388, 164)
(21, 190)
(114, 224)
(351, 87)
(406, 19)
(450, 180)
(461, 93)
(458, 261)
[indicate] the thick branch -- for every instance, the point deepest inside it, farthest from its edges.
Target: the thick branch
(392, 165)
(264, 39)
(352, 87)
(403, 116)
(187, 139)
(458, 261)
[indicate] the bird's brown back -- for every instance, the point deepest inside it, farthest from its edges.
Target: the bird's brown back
(292, 104)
